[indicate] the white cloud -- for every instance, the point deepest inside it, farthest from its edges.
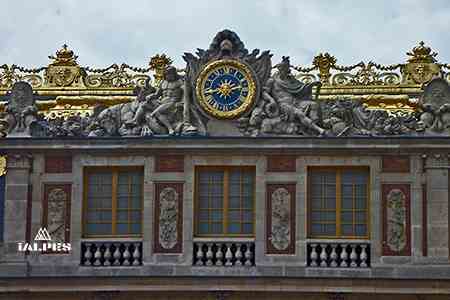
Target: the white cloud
(106, 32)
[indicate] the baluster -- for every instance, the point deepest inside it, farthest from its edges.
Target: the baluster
(219, 255)
(353, 256)
(363, 256)
(209, 255)
(248, 255)
(228, 256)
(238, 255)
(333, 256)
(107, 255)
(344, 256)
(116, 255)
(136, 255)
(313, 256)
(126, 255)
(323, 256)
(199, 255)
(88, 254)
(97, 256)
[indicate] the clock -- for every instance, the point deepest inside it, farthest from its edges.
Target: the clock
(226, 89)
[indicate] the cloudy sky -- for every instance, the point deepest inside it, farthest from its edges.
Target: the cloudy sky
(110, 31)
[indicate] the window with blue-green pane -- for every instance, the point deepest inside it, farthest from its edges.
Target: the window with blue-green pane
(225, 201)
(113, 202)
(338, 202)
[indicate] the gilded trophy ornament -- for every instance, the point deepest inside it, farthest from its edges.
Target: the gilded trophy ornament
(324, 62)
(64, 71)
(422, 66)
(159, 64)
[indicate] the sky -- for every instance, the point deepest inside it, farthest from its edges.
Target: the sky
(103, 32)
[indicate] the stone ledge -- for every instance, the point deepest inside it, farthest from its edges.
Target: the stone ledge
(10, 270)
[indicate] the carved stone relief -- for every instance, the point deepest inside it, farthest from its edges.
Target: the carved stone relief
(168, 212)
(396, 219)
(280, 218)
(281, 228)
(168, 217)
(56, 211)
(56, 221)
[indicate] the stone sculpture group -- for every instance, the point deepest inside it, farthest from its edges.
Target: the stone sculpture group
(284, 106)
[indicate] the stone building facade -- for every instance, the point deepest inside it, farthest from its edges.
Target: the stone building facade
(228, 179)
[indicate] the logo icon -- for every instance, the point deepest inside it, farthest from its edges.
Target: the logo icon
(42, 235)
(42, 243)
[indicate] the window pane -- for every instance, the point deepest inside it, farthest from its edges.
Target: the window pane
(216, 215)
(247, 228)
(100, 198)
(135, 228)
(122, 228)
(360, 217)
(216, 228)
(211, 195)
(347, 229)
(247, 216)
(234, 215)
(330, 229)
(98, 229)
(347, 217)
(316, 229)
(353, 202)
(361, 230)
(234, 228)
(203, 228)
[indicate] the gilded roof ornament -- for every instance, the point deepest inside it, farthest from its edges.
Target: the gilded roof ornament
(2, 165)
(324, 62)
(64, 57)
(421, 54)
(158, 64)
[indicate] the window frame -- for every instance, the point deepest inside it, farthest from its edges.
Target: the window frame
(226, 170)
(338, 171)
(115, 176)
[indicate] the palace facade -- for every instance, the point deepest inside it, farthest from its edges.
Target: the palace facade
(232, 177)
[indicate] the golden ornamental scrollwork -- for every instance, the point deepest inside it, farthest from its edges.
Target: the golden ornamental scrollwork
(116, 76)
(9, 74)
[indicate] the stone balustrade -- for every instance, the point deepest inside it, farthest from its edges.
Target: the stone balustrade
(106, 254)
(224, 254)
(338, 255)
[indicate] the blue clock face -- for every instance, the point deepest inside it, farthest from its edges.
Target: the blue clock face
(226, 89)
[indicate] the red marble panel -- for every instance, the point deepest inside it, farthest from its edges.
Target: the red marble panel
(169, 163)
(281, 163)
(58, 164)
(395, 164)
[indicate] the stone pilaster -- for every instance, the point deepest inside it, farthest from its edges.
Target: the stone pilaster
(437, 206)
(16, 198)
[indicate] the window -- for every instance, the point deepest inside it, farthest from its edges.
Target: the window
(113, 201)
(338, 202)
(225, 201)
